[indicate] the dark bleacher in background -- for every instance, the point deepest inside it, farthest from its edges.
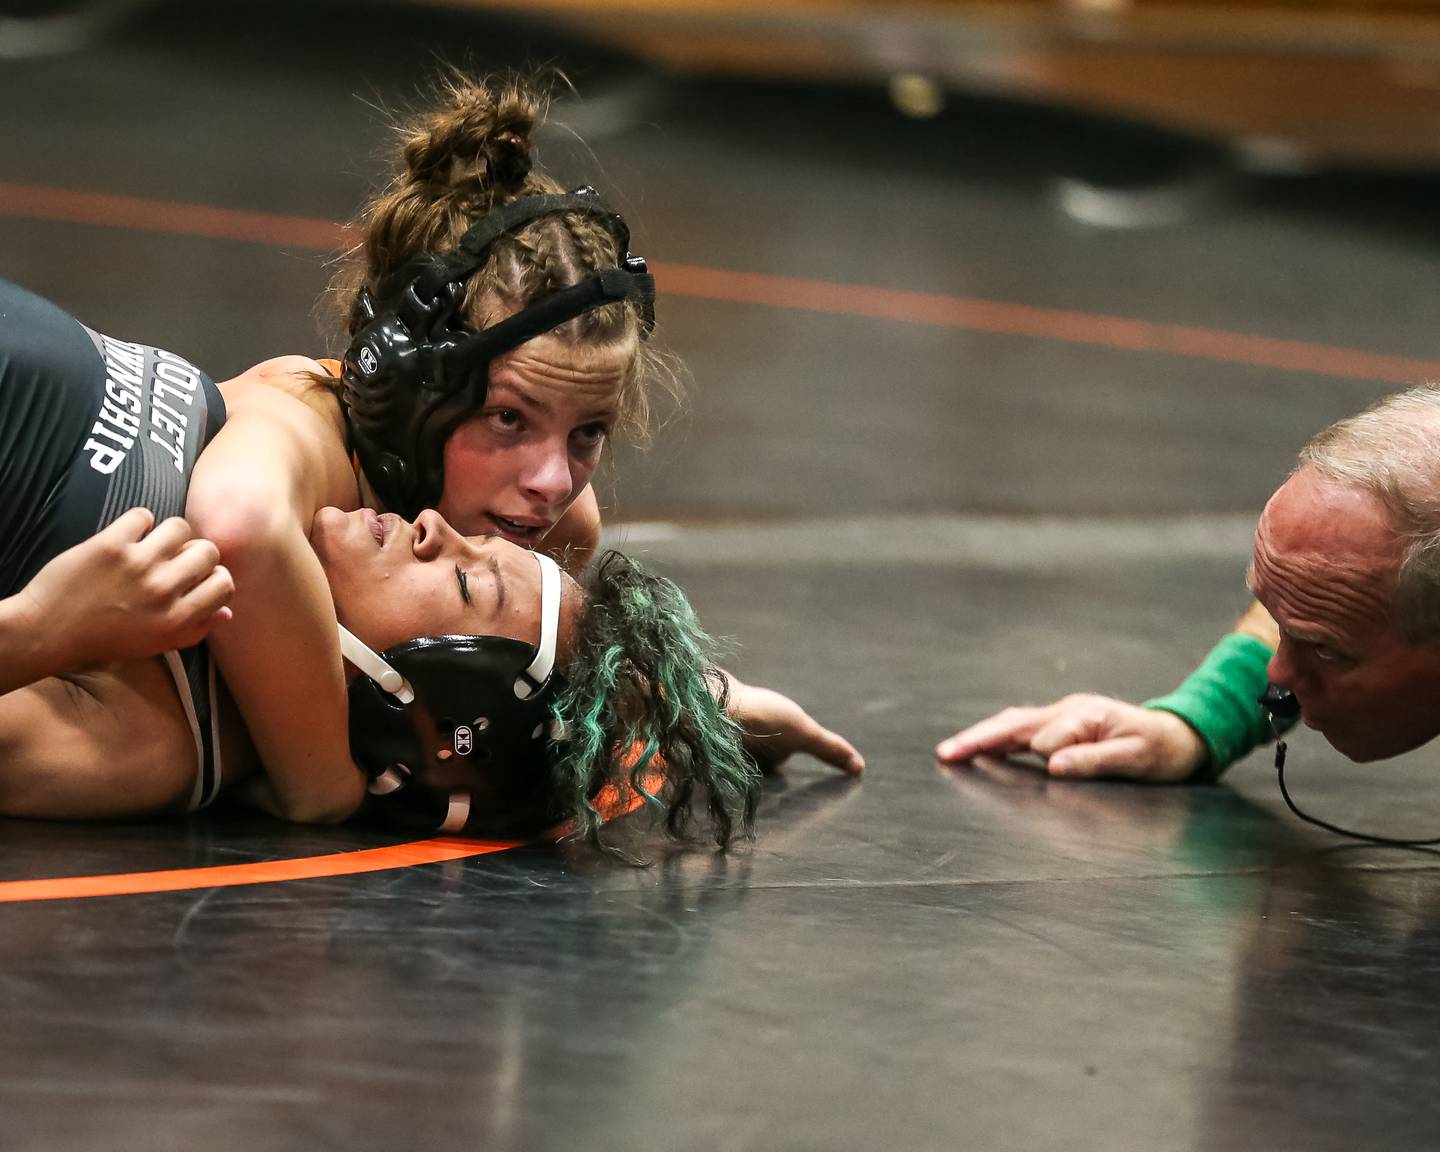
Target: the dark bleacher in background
(1287, 84)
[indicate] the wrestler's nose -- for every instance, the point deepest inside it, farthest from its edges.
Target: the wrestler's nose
(546, 480)
(432, 535)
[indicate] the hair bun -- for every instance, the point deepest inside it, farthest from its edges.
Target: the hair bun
(510, 160)
(476, 141)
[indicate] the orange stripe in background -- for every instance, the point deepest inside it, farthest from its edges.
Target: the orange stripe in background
(263, 872)
(135, 212)
(974, 315)
(1044, 323)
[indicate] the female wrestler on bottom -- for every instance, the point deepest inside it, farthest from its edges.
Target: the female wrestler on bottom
(466, 715)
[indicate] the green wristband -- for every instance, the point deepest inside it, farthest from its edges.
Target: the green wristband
(1219, 698)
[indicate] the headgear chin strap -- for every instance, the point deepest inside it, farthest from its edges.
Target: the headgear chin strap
(413, 371)
(455, 732)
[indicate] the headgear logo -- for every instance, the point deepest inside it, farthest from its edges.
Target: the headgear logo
(368, 360)
(464, 740)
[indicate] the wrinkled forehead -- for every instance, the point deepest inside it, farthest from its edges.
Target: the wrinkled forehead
(553, 370)
(1327, 565)
(1334, 522)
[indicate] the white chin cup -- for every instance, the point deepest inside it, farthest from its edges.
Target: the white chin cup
(544, 662)
(373, 665)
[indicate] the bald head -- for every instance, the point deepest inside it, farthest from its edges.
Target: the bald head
(1327, 524)
(1329, 566)
(1326, 559)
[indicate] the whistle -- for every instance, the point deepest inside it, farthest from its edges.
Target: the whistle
(1282, 708)
(1280, 703)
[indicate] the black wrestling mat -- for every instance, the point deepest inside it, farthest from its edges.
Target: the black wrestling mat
(891, 963)
(948, 449)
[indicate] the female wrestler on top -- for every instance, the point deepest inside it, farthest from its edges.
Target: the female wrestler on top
(461, 723)
(511, 452)
(282, 456)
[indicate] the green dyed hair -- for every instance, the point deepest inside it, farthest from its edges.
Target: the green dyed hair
(641, 677)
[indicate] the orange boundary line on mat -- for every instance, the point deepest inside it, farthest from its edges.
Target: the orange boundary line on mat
(613, 801)
(431, 851)
(974, 315)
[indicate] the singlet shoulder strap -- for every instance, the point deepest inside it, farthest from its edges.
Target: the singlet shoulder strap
(330, 366)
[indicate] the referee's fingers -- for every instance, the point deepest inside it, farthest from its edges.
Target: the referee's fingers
(1122, 756)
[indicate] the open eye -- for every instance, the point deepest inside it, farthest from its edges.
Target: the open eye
(1332, 657)
(505, 420)
(591, 436)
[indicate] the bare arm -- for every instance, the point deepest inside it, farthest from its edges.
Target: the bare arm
(776, 728)
(255, 492)
(108, 744)
(1260, 624)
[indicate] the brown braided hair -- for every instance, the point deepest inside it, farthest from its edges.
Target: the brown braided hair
(469, 153)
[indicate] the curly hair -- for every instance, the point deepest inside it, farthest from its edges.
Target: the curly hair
(641, 677)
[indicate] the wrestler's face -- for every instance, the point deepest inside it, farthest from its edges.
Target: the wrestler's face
(1325, 567)
(393, 581)
(516, 466)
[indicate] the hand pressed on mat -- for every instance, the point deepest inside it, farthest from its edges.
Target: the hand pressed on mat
(1086, 736)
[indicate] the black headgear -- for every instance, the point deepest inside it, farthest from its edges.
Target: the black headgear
(432, 713)
(413, 371)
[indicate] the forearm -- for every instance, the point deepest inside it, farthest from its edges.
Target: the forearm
(254, 494)
(1257, 622)
(259, 792)
(281, 661)
(27, 653)
(1219, 700)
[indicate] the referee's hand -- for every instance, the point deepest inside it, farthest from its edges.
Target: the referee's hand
(1085, 736)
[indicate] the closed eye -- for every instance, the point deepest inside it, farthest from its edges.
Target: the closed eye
(462, 578)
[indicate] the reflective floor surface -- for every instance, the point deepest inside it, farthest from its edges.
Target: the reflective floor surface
(907, 511)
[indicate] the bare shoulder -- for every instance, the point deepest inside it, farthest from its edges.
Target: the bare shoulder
(280, 444)
(286, 385)
(288, 373)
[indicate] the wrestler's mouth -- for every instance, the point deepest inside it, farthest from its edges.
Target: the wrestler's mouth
(380, 526)
(527, 532)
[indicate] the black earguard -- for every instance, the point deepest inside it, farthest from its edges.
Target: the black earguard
(456, 733)
(413, 371)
